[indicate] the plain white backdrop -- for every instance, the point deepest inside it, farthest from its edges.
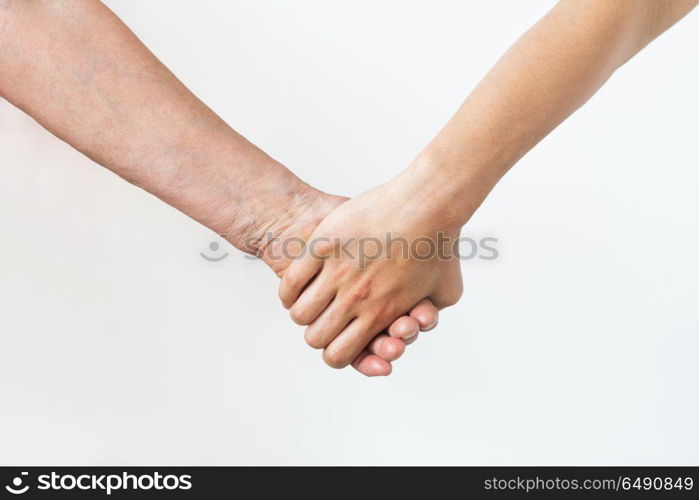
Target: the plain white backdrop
(579, 345)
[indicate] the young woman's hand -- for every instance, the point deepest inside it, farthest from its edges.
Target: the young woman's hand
(368, 262)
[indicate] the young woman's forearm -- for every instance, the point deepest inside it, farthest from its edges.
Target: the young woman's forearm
(81, 73)
(543, 78)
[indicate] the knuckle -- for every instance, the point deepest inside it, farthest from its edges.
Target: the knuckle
(285, 296)
(313, 340)
(342, 270)
(299, 315)
(360, 292)
(282, 294)
(290, 281)
(335, 358)
(321, 247)
(452, 296)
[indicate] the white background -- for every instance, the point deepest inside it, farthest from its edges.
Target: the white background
(120, 344)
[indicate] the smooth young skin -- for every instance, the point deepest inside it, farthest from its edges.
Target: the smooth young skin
(549, 73)
(82, 74)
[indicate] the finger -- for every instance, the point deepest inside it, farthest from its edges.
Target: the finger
(387, 348)
(404, 328)
(371, 365)
(426, 314)
(313, 300)
(328, 325)
(296, 277)
(350, 342)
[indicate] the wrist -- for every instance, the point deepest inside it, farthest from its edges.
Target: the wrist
(452, 186)
(247, 212)
(230, 186)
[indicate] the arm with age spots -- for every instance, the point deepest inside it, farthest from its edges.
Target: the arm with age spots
(544, 77)
(82, 74)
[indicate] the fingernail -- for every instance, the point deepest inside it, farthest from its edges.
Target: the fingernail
(429, 327)
(412, 335)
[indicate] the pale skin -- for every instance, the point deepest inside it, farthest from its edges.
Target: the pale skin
(543, 78)
(83, 75)
(111, 99)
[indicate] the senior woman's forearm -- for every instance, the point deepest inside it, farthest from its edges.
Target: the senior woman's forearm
(81, 73)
